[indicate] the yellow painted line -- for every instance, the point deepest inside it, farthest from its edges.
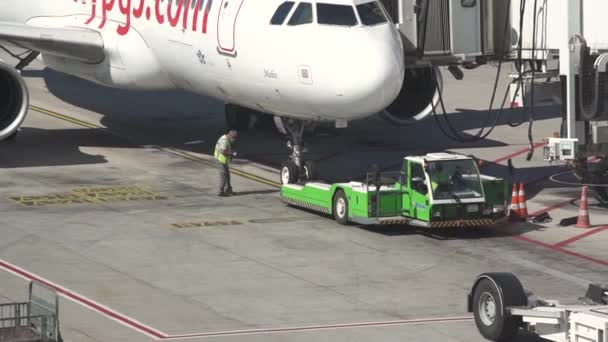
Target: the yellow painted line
(244, 174)
(182, 154)
(64, 117)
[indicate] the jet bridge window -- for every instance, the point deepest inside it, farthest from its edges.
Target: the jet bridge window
(341, 15)
(281, 13)
(392, 9)
(302, 14)
(371, 14)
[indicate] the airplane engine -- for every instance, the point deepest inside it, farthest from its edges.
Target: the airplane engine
(14, 100)
(417, 96)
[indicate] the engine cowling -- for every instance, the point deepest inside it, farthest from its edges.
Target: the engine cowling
(417, 97)
(14, 100)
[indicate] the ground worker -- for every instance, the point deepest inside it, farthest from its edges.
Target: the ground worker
(439, 179)
(223, 155)
(457, 177)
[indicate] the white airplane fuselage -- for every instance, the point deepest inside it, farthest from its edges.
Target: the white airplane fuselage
(227, 49)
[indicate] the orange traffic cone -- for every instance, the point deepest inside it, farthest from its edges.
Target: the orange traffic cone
(583, 211)
(514, 214)
(523, 208)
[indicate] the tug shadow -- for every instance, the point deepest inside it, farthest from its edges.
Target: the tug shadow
(445, 234)
(509, 229)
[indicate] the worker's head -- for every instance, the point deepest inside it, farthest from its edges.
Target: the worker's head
(232, 134)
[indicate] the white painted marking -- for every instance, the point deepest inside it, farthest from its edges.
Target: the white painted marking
(194, 142)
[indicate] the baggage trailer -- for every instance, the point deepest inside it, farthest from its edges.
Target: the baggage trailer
(438, 190)
(502, 308)
(36, 320)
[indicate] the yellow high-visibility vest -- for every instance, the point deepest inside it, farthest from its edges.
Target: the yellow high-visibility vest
(439, 178)
(217, 154)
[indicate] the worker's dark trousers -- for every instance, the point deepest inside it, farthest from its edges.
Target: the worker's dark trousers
(225, 185)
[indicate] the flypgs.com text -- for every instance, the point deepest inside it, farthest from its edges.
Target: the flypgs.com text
(173, 12)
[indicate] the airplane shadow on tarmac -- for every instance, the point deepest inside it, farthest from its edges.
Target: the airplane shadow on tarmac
(43, 147)
(171, 119)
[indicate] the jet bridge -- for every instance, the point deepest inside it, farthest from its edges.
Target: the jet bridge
(559, 54)
(452, 32)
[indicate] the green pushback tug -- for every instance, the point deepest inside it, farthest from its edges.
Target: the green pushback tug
(438, 190)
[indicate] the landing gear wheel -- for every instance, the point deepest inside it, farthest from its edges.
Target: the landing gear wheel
(492, 295)
(289, 173)
(309, 171)
(340, 206)
(237, 117)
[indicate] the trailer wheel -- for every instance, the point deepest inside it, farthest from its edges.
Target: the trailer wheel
(491, 296)
(340, 208)
(289, 173)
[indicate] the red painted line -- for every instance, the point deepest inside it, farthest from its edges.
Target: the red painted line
(581, 236)
(562, 250)
(85, 302)
(158, 335)
(518, 153)
(553, 207)
(323, 327)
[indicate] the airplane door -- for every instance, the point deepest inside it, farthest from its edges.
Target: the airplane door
(226, 24)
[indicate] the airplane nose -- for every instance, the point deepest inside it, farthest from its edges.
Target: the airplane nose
(384, 77)
(375, 78)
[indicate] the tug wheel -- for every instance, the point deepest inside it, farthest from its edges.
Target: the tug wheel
(340, 208)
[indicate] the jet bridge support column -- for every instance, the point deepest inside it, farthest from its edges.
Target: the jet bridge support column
(569, 63)
(572, 133)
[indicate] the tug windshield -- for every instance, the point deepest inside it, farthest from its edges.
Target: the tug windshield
(455, 179)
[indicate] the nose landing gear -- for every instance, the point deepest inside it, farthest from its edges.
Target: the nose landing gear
(296, 168)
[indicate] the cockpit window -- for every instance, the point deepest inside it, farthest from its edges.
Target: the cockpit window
(371, 14)
(281, 13)
(330, 14)
(302, 15)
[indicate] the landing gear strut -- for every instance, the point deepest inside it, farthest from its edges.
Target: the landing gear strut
(296, 168)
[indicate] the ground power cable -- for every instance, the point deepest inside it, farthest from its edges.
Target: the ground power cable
(532, 99)
(454, 134)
